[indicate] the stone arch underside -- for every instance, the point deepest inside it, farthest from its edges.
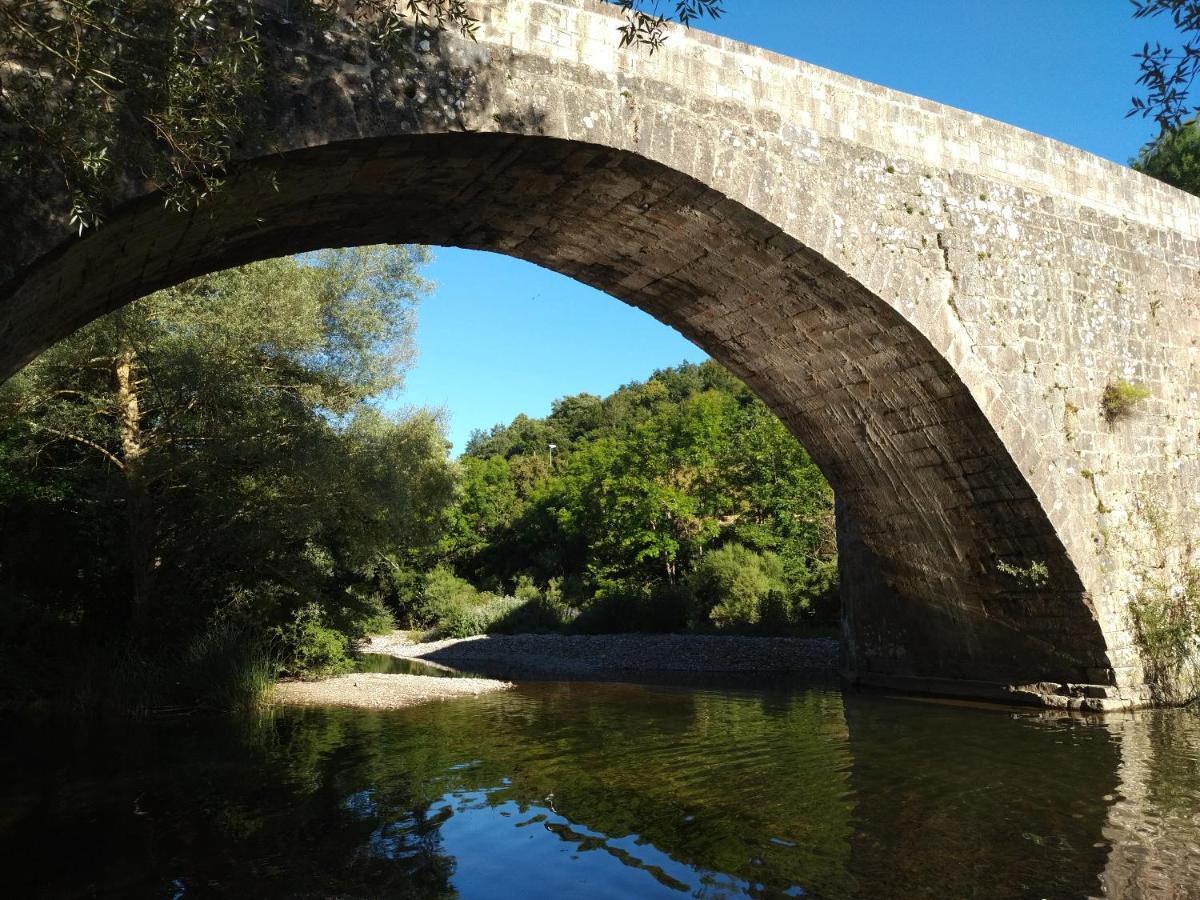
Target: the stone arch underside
(936, 497)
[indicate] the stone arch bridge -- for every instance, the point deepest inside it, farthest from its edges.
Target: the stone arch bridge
(933, 302)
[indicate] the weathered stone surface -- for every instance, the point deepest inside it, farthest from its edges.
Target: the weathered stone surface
(933, 302)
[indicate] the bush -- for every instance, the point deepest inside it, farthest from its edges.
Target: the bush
(730, 586)
(362, 615)
(536, 611)
(443, 597)
(309, 648)
(451, 607)
(470, 619)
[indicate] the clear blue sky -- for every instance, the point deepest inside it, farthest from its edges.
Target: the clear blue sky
(500, 336)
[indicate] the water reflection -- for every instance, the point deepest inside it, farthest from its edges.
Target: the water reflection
(386, 664)
(1153, 827)
(587, 790)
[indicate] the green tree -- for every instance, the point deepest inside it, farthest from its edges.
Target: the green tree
(1174, 158)
(214, 453)
(646, 482)
(94, 91)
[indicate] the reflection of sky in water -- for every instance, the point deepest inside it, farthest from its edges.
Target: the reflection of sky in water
(517, 850)
(536, 852)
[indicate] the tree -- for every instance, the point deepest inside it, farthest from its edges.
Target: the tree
(214, 452)
(649, 480)
(1174, 157)
(93, 91)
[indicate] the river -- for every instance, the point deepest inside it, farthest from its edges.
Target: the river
(580, 790)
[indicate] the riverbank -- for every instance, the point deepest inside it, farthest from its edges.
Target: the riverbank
(374, 691)
(554, 655)
(579, 655)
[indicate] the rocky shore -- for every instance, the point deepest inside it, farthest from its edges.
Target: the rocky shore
(615, 654)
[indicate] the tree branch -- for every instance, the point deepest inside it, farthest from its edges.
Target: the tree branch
(78, 439)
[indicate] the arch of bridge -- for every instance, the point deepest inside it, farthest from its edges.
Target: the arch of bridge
(933, 302)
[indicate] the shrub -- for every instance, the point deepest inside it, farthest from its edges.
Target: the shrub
(730, 585)
(451, 607)
(1120, 398)
(362, 614)
(309, 648)
(536, 610)
(443, 596)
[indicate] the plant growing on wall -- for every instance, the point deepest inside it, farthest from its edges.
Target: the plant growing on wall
(1166, 622)
(1034, 575)
(1121, 398)
(1164, 614)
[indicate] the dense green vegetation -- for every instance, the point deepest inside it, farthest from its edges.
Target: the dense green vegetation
(204, 476)
(680, 502)
(200, 491)
(1174, 157)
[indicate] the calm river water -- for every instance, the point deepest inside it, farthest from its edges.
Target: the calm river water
(578, 790)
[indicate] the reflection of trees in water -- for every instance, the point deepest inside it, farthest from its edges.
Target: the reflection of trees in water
(706, 778)
(854, 797)
(1153, 826)
(347, 803)
(262, 811)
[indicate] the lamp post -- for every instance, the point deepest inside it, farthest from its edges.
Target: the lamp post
(553, 447)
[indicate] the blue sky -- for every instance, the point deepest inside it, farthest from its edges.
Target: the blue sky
(500, 337)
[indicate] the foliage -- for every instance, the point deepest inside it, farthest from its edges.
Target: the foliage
(1165, 613)
(214, 454)
(1120, 398)
(645, 483)
(1035, 574)
(1167, 73)
(94, 92)
(312, 648)
(731, 587)
(1166, 621)
(109, 86)
(228, 667)
(1174, 157)
(647, 27)
(450, 607)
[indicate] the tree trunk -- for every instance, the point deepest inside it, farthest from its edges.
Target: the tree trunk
(139, 514)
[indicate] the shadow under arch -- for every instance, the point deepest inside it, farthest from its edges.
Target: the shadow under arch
(936, 497)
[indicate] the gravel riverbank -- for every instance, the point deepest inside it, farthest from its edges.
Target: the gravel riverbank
(373, 691)
(558, 656)
(612, 654)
